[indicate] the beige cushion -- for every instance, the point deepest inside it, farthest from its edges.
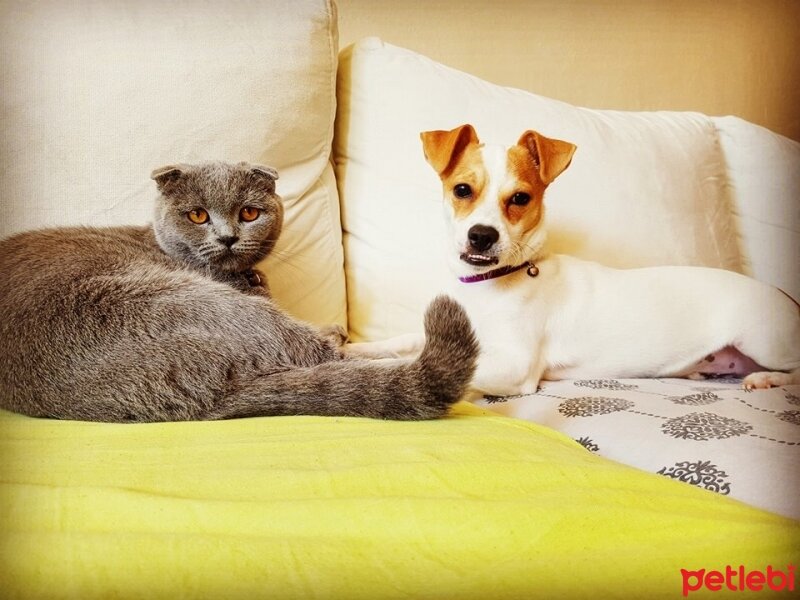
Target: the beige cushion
(643, 188)
(97, 94)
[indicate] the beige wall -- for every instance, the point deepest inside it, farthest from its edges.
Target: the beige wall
(713, 56)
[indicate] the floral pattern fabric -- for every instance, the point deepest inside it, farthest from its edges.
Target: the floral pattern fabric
(711, 434)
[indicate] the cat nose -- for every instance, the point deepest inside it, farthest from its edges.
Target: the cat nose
(228, 240)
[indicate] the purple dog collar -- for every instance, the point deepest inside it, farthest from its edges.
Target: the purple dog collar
(533, 271)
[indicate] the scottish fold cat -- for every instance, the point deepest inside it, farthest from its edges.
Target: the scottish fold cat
(171, 322)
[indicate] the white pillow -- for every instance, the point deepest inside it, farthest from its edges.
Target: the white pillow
(97, 94)
(643, 188)
(764, 174)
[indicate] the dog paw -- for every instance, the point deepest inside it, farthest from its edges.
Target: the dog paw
(764, 380)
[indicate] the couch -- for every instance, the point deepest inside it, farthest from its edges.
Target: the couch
(479, 504)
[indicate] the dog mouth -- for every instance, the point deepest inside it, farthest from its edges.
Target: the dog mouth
(479, 260)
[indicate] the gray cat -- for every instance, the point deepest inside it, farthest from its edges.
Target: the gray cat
(171, 323)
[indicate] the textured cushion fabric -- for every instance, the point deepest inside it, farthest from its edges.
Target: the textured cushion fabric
(97, 94)
(764, 175)
(471, 506)
(711, 434)
(643, 188)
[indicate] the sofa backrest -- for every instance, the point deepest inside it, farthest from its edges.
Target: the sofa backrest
(97, 94)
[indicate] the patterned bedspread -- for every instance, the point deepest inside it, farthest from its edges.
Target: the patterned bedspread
(711, 434)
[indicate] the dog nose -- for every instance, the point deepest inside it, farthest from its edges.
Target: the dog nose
(481, 237)
(229, 240)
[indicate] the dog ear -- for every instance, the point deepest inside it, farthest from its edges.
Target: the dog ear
(164, 176)
(443, 148)
(550, 156)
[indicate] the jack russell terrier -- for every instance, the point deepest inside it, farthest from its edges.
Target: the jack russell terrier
(549, 316)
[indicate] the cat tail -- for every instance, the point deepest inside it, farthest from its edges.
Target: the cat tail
(403, 390)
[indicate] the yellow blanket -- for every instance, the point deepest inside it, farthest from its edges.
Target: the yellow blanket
(472, 506)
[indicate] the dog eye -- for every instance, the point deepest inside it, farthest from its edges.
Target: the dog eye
(520, 199)
(198, 216)
(462, 190)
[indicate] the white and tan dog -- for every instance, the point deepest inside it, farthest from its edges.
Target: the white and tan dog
(548, 316)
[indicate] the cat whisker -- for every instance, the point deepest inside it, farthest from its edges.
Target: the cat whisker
(206, 249)
(209, 253)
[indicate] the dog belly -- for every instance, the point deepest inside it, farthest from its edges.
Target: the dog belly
(726, 362)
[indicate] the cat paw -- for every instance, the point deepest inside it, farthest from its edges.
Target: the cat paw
(254, 278)
(255, 283)
(764, 380)
(336, 334)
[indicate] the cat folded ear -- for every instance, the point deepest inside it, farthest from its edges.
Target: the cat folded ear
(264, 171)
(167, 175)
(263, 174)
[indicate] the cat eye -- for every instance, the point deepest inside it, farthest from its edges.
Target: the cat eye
(462, 190)
(248, 213)
(198, 216)
(520, 199)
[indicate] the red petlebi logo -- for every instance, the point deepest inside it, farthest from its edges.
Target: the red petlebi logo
(738, 580)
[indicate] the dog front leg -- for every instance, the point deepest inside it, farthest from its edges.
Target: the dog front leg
(767, 379)
(502, 374)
